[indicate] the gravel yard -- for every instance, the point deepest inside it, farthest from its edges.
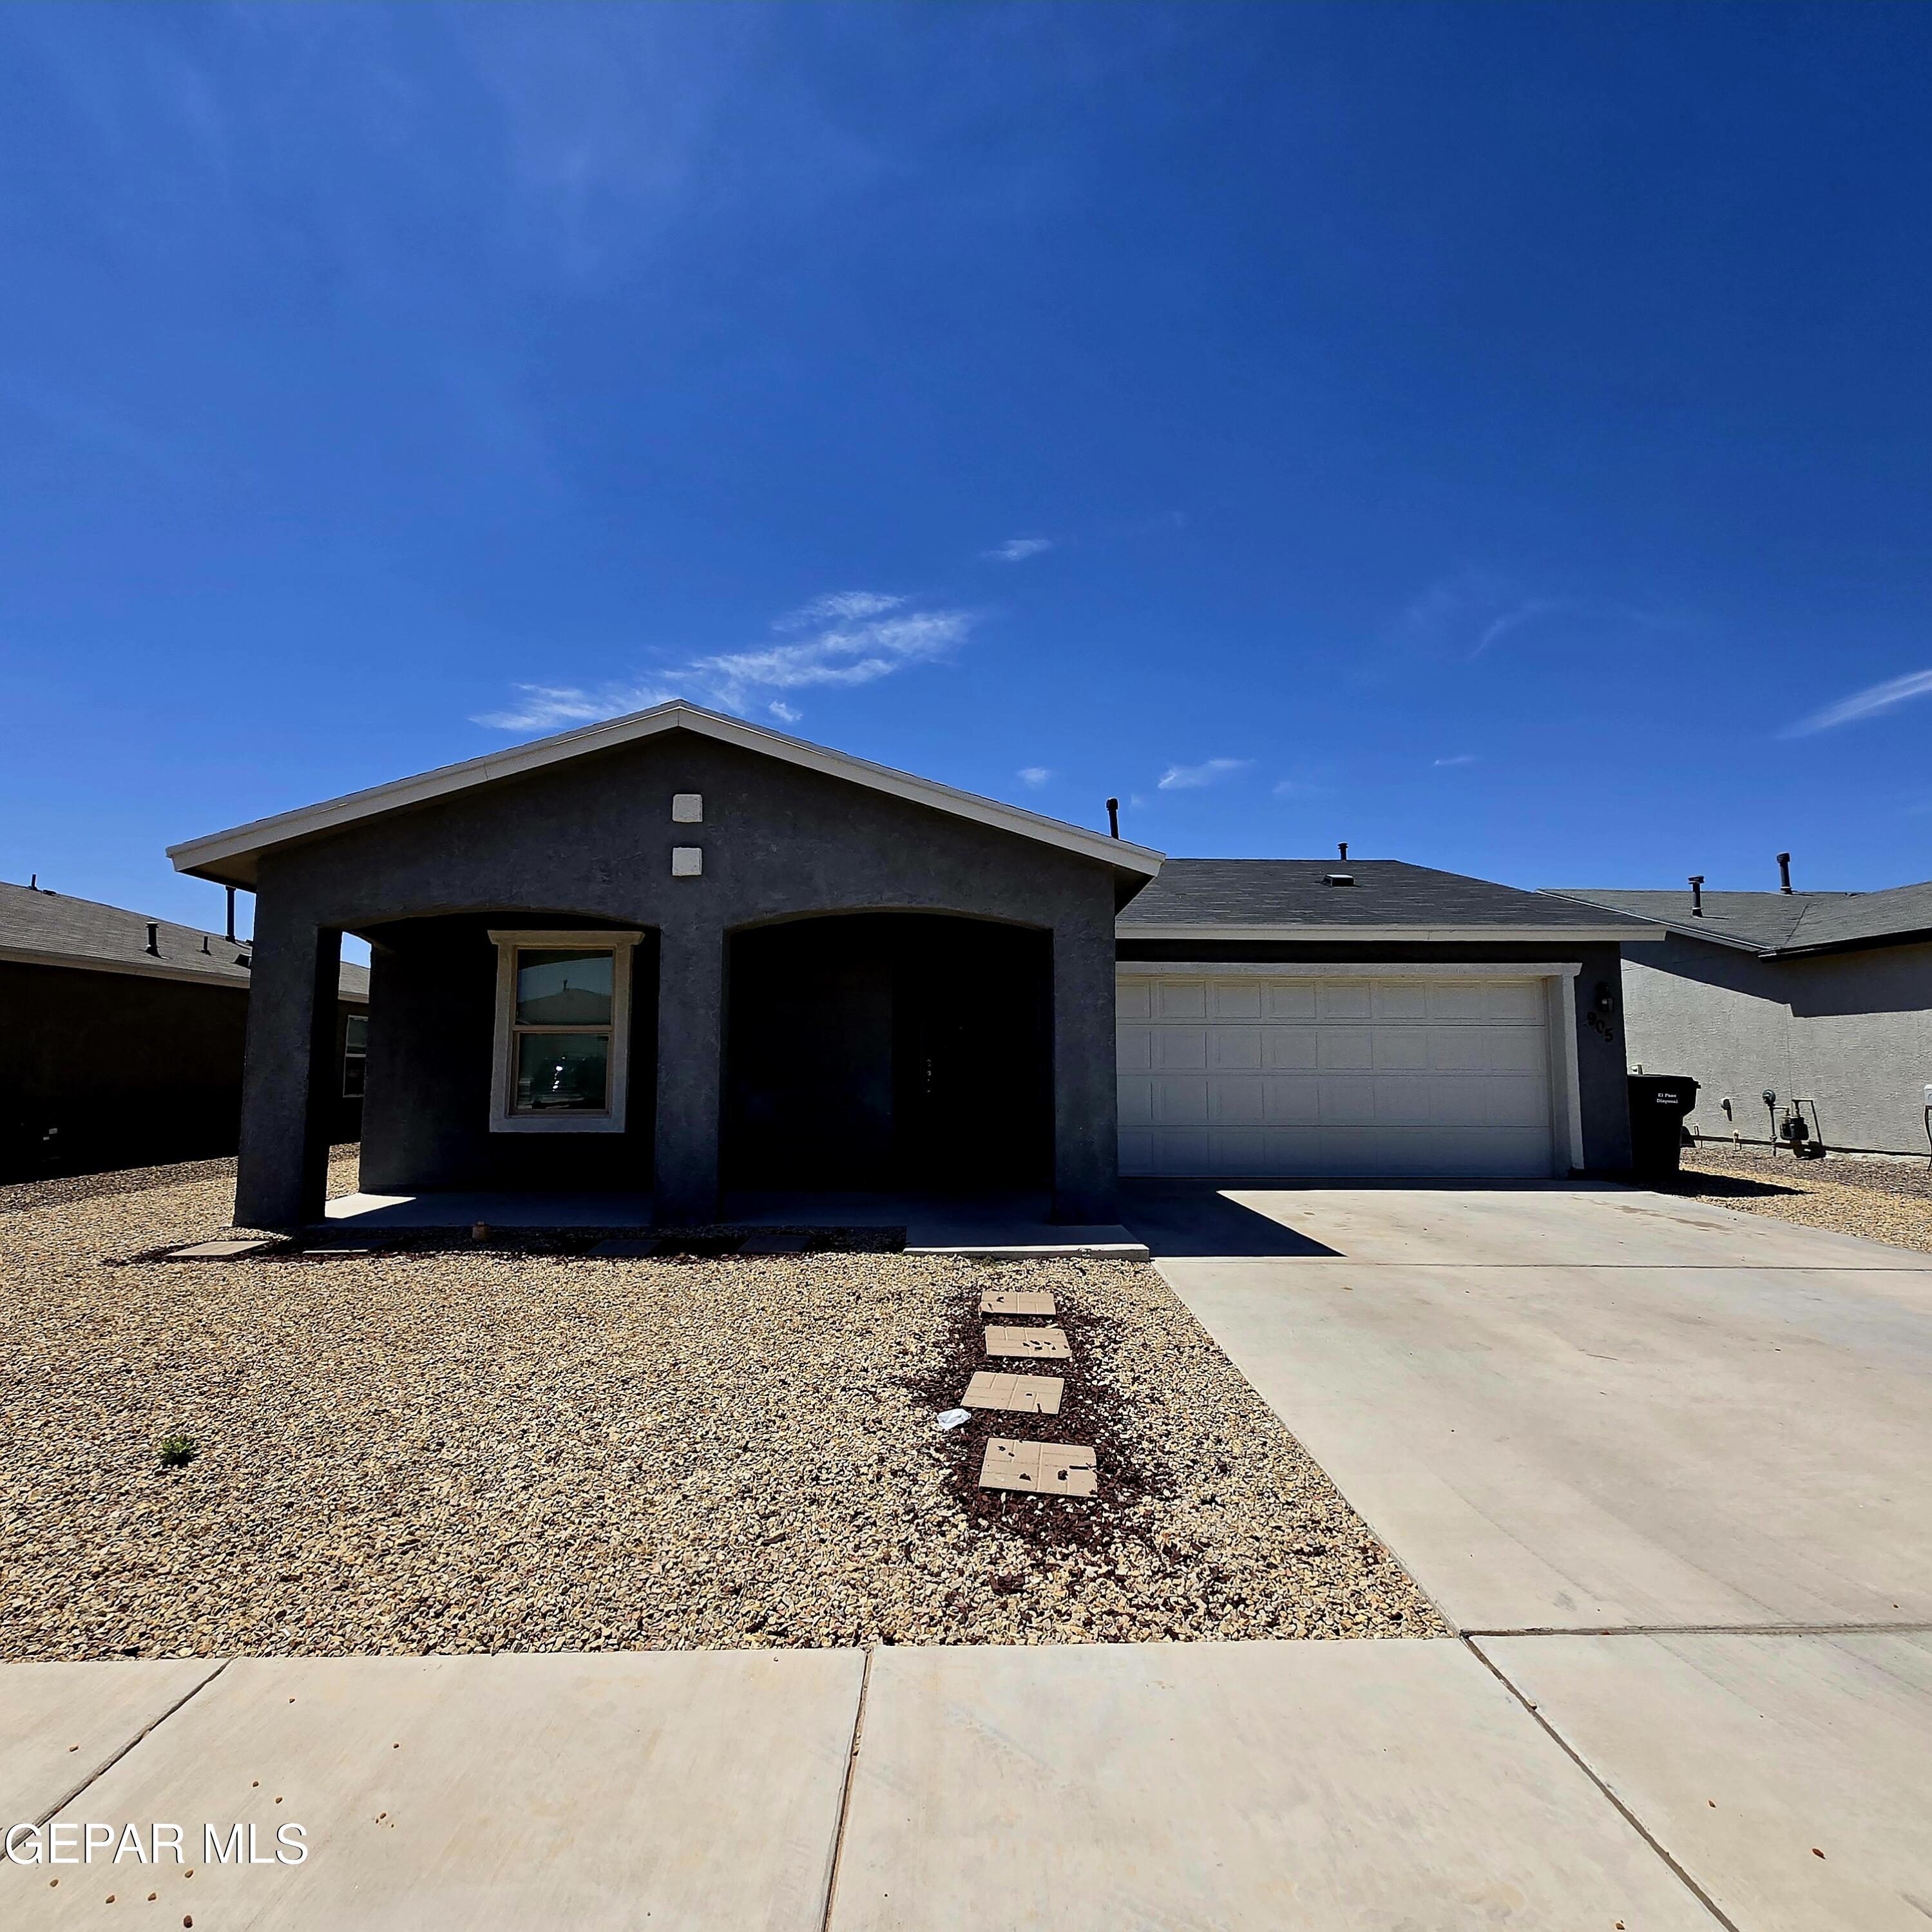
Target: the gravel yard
(511, 1449)
(1884, 1200)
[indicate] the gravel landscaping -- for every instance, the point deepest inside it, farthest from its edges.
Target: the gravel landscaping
(511, 1447)
(1884, 1200)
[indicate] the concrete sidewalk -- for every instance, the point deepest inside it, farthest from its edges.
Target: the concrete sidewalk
(1327, 1786)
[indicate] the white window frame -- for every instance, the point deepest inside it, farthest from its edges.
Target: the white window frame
(503, 1118)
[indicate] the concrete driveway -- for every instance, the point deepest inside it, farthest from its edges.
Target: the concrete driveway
(1667, 1467)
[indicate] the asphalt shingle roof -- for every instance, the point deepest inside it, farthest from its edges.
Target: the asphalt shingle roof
(1777, 923)
(51, 925)
(1387, 892)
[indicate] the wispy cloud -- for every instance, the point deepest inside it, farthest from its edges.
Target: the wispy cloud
(1189, 778)
(853, 637)
(1866, 703)
(1460, 758)
(1017, 550)
(1035, 776)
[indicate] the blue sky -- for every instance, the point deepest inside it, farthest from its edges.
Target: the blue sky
(1498, 436)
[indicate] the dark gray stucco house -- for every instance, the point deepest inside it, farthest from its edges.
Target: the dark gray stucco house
(1823, 998)
(121, 1038)
(677, 952)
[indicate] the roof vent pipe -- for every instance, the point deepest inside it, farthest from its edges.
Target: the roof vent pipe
(1784, 871)
(1114, 817)
(1696, 895)
(1343, 847)
(155, 938)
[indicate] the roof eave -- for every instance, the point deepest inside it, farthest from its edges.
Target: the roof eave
(1445, 935)
(231, 857)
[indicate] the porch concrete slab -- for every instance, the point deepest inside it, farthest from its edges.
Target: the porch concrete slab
(615, 1789)
(1745, 1757)
(361, 1211)
(1245, 1787)
(60, 1723)
(1108, 1243)
(1536, 1224)
(1584, 1448)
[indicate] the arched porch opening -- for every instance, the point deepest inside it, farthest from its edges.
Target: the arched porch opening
(888, 1050)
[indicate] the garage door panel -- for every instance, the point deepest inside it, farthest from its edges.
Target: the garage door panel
(1134, 1000)
(1399, 999)
(1402, 1049)
(1293, 1102)
(1342, 999)
(1179, 1101)
(1344, 1048)
(1522, 1000)
(1133, 1049)
(1237, 1103)
(1181, 1000)
(1180, 1049)
(1235, 999)
(1403, 1101)
(1235, 1049)
(1136, 1103)
(1289, 999)
(1291, 1049)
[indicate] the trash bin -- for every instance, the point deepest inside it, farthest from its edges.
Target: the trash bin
(1658, 1102)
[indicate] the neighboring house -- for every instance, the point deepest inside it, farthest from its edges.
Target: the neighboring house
(121, 1038)
(1823, 998)
(677, 951)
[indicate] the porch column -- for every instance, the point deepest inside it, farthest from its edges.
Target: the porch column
(1086, 1136)
(286, 1077)
(691, 1049)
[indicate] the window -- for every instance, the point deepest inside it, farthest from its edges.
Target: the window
(562, 1031)
(354, 1056)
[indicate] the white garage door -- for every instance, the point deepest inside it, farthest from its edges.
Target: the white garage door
(1300, 1075)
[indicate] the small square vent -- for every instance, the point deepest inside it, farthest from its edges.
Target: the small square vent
(687, 861)
(687, 808)
(1338, 878)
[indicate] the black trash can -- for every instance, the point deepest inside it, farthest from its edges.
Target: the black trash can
(1658, 1102)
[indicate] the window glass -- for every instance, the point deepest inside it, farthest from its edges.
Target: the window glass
(564, 989)
(563, 1072)
(354, 1056)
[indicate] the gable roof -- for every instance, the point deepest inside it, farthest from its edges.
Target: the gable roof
(1288, 898)
(38, 928)
(231, 857)
(1778, 925)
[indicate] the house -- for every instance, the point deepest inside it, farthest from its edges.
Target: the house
(679, 951)
(1824, 999)
(121, 1038)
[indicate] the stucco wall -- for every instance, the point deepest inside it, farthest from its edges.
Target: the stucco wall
(1599, 1032)
(1851, 1030)
(592, 838)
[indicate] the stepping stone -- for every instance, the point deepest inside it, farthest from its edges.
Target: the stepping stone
(1043, 1344)
(1032, 1395)
(216, 1251)
(332, 1254)
(1017, 1301)
(764, 1244)
(1043, 1469)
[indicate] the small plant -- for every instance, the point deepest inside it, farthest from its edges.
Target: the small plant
(178, 1450)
